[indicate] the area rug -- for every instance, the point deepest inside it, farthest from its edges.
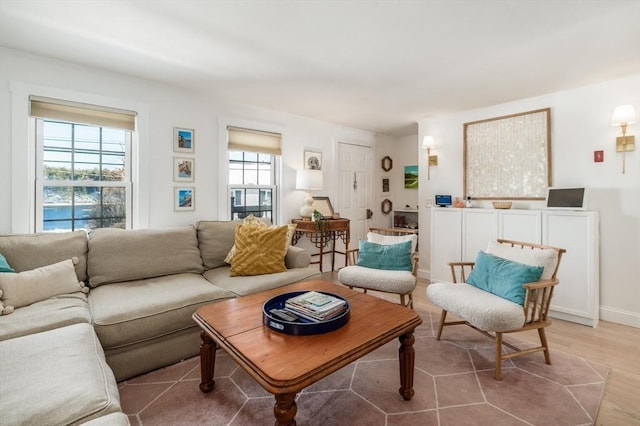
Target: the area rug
(453, 385)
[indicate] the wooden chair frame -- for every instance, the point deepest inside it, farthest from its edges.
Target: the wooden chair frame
(536, 308)
(406, 299)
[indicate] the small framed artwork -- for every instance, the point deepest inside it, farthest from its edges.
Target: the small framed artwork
(410, 176)
(184, 199)
(183, 169)
(183, 140)
(323, 206)
(312, 160)
(385, 184)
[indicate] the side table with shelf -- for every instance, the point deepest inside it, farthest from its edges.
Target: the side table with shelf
(330, 231)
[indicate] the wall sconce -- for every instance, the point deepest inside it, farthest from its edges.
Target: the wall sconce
(432, 160)
(308, 180)
(622, 116)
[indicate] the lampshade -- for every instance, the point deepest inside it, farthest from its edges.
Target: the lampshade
(309, 180)
(427, 142)
(623, 114)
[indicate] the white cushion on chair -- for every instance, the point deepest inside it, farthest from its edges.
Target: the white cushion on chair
(387, 240)
(484, 310)
(400, 282)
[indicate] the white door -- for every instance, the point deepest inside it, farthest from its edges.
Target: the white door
(356, 188)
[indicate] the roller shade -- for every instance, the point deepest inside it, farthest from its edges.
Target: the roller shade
(75, 112)
(240, 139)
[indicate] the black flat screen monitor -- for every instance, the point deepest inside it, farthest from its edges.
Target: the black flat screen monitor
(443, 200)
(566, 198)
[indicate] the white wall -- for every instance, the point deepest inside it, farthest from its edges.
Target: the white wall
(404, 152)
(163, 108)
(580, 124)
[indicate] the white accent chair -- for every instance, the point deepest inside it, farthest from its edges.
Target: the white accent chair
(493, 315)
(400, 282)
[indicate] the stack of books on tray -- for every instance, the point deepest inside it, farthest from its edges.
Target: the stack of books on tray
(316, 306)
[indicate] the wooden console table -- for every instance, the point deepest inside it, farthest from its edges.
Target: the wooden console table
(330, 231)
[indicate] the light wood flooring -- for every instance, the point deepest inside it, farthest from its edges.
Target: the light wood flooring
(615, 345)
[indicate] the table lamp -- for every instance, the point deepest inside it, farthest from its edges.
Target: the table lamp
(308, 180)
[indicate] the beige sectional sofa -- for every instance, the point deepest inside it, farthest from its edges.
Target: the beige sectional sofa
(63, 355)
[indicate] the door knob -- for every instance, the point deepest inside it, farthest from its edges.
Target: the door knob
(369, 213)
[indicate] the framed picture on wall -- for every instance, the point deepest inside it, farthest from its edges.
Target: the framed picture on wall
(410, 177)
(183, 169)
(385, 184)
(312, 160)
(184, 199)
(183, 140)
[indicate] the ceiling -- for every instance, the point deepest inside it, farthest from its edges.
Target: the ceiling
(373, 65)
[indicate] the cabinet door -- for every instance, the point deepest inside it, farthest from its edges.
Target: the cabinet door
(446, 237)
(479, 226)
(520, 225)
(576, 297)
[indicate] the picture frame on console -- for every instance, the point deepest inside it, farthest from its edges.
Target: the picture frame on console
(323, 206)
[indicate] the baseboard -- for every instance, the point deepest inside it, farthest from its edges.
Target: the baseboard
(424, 274)
(620, 316)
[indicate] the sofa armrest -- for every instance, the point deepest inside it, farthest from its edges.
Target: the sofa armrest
(297, 257)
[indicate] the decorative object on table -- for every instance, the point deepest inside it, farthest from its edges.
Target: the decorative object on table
(323, 206)
(411, 177)
(278, 311)
(183, 140)
(387, 163)
(386, 206)
(468, 203)
(308, 180)
(502, 205)
(443, 200)
(432, 160)
(312, 160)
(457, 203)
(508, 157)
(183, 169)
(622, 116)
(184, 199)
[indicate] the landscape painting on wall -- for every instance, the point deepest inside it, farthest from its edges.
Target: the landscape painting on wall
(411, 176)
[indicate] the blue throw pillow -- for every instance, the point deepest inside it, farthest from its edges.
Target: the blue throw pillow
(394, 257)
(4, 265)
(503, 277)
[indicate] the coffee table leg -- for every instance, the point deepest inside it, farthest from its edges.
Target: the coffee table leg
(407, 355)
(207, 362)
(285, 409)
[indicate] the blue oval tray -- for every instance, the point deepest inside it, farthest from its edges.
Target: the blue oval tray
(303, 326)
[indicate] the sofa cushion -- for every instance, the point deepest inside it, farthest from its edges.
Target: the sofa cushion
(251, 220)
(392, 257)
(157, 252)
(297, 257)
(502, 277)
(244, 285)
(25, 252)
(4, 265)
(24, 288)
(484, 310)
(215, 239)
(130, 312)
(57, 377)
(55, 312)
(259, 250)
(547, 258)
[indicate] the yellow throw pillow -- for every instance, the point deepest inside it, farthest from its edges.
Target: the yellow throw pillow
(251, 220)
(259, 250)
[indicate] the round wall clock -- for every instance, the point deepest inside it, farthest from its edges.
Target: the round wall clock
(386, 206)
(387, 163)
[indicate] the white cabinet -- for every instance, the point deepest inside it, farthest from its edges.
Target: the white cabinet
(458, 235)
(577, 297)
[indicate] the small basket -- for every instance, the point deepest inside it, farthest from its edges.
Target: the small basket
(501, 204)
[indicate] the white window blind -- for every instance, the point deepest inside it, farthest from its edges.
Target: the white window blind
(240, 139)
(75, 112)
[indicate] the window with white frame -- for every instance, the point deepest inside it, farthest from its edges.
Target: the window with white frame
(83, 171)
(252, 169)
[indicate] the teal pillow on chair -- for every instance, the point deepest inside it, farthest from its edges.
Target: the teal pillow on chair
(503, 277)
(4, 265)
(394, 257)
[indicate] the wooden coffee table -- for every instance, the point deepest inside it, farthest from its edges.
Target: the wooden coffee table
(285, 364)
